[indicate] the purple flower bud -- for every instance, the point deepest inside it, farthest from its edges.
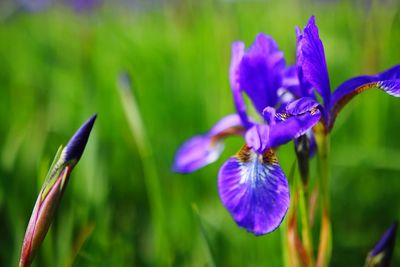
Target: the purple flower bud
(381, 254)
(52, 191)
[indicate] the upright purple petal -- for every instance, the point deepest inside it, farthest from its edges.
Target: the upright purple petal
(202, 150)
(237, 55)
(261, 72)
(388, 81)
(254, 190)
(311, 61)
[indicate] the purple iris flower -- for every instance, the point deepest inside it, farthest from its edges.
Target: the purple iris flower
(251, 184)
(313, 77)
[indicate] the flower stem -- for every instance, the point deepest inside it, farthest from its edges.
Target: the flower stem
(325, 237)
(305, 226)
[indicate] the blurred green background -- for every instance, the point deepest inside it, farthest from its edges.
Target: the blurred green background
(59, 66)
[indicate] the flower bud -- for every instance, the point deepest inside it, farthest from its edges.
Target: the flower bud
(52, 191)
(381, 254)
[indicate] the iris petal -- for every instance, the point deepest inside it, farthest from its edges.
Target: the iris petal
(348, 87)
(255, 191)
(236, 58)
(202, 150)
(392, 87)
(311, 60)
(261, 72)
(302, 105)
(291, 128)
(300, 116)
(388, 81)
(257, 137)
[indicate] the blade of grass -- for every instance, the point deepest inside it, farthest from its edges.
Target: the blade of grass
(149, 167)
(210, 248)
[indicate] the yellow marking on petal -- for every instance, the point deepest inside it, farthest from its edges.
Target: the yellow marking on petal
(244, 154)
(314, 110)
(269, 157)
(283, 116)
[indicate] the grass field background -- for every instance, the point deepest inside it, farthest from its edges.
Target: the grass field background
(58, 67)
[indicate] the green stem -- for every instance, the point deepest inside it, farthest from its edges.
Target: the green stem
(305, 226)
(284, 242)
(325, 238)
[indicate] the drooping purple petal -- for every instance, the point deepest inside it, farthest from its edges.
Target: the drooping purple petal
(202, 150)
(224, 125)
(311, 61)
(348, 87)
(77, 143)
(237, 55)
(196, 153)
(261, 72)
(254, 190)
(301, 115)
(388, 81)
